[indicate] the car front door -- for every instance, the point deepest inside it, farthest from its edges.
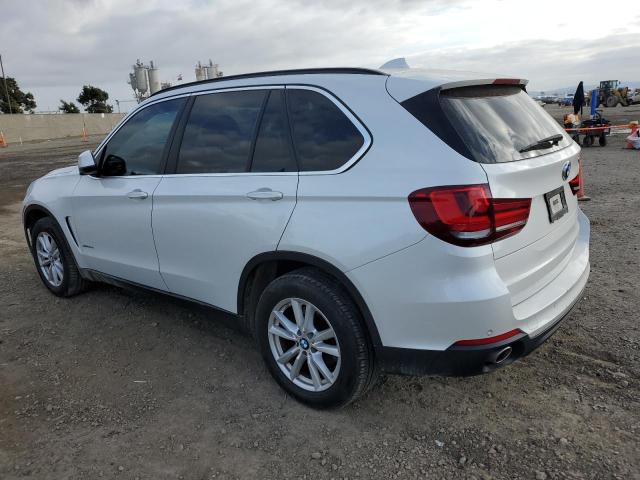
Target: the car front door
(112, 210)
(231, 194)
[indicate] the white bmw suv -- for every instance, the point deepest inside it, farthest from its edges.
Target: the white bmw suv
(353, 221)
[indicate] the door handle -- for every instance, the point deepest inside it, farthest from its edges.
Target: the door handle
(137, 194)
(265, 194)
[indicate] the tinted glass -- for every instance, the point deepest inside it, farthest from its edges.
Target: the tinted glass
(325, 139)
(141, 141)
(273, 150)
(496, 122)
(219, 132)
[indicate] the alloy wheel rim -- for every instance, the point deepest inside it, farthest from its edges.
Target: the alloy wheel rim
(49, 259)
(304, 344)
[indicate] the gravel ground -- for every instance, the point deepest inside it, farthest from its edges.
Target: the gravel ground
(122, 384)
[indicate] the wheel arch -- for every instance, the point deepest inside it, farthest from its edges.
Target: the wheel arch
(264, 267)
(34, 212)
(30, 215)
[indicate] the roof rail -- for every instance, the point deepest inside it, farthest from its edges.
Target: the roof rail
(300, 71)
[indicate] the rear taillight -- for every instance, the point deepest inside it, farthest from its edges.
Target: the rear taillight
(467, 215)
(574, 183)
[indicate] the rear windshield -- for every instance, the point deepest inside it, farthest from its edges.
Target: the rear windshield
(496, 122)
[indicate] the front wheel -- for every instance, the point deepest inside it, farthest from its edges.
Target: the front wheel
(312, 339)
(54, 261)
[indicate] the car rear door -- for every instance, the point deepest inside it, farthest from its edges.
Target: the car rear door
(228, 194)
(112, 212)
(525, 154)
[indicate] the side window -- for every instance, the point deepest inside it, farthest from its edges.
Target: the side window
(220, 131)
(272, 152)
(141, 141)
(324, 138)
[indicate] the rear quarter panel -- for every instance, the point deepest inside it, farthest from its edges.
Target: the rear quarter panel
(363, 214)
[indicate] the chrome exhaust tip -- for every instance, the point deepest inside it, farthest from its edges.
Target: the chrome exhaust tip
(502, 355)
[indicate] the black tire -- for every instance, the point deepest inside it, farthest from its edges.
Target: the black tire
(602, 140)
(357, 370)
(612, 101)
(587, 141)
(72, 283)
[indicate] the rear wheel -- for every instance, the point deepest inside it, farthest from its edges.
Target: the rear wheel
(312, 339)
(602, 140)
(587, 141)
(54, 261)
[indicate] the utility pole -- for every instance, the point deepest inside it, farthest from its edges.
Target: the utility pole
(118, 102)
(6, 90)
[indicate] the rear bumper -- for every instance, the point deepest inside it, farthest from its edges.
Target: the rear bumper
(431, 295)
(427, 297)
(464, 361)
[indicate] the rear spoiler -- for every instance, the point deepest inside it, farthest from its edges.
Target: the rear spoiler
(411, 83)
(485, 81)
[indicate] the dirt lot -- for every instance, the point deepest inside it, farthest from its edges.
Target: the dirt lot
(120, 384)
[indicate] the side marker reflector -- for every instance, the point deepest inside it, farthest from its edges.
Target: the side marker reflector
(488, 340)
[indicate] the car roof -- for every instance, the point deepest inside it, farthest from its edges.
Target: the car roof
(402, 83)
(275, 73)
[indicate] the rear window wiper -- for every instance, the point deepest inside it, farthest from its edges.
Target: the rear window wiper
(546, 142)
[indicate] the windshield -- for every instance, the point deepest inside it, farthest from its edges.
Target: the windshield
(496, 122)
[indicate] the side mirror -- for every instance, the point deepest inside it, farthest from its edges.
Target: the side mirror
(86, 163)
(113, 166)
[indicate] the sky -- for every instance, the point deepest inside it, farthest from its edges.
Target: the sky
(54, 47)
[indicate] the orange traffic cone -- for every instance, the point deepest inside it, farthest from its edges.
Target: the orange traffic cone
(3, 142)
(84, 135)
(581, 195)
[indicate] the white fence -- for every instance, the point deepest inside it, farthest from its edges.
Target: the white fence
(26, 128)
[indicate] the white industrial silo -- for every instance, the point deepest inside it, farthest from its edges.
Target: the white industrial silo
(201, 72)
(142, 80)
(212, 70)
(154, 78)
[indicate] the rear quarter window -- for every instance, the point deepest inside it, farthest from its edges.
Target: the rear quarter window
(324, 137)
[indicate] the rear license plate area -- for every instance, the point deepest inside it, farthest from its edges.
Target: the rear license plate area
(556, 204)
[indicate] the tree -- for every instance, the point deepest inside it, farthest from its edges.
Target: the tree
(68, 107)
(20, 101)
(94, 100)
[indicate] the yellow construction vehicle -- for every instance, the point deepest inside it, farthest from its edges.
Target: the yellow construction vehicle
(610, 93)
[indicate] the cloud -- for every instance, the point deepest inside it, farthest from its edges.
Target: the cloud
(55, 47)
(547, 64)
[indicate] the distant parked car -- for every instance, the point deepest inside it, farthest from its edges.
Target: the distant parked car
(567, 100)
(633, 97)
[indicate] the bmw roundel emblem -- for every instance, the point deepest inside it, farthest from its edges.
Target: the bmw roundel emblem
(304, 343)
(566, 170)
